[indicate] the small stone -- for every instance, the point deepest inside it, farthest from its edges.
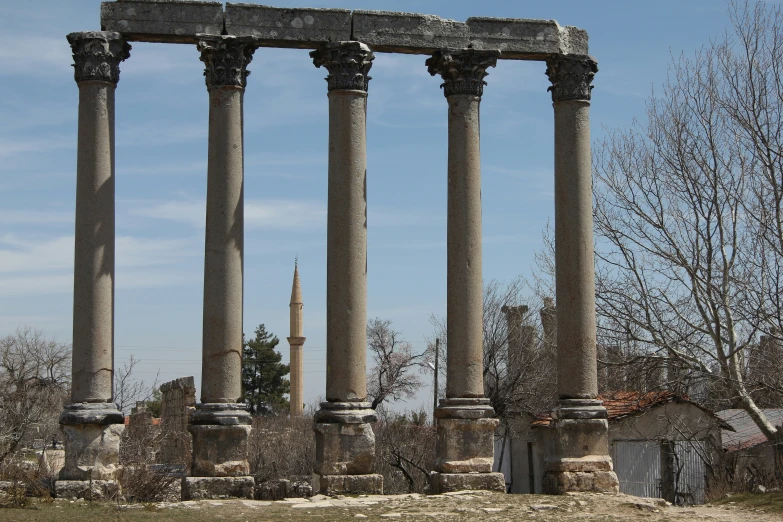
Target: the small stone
(391, 515)
(359, 515)
(543, 507)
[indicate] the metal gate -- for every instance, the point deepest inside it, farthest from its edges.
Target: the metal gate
(689, 471)
(638, 467)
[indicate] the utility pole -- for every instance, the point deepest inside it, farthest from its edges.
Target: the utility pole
(435, 391)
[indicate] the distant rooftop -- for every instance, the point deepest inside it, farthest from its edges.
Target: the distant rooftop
(746, 434)
(622, 404)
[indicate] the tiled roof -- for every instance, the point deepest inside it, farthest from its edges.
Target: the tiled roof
(621, 404)
(746, 434)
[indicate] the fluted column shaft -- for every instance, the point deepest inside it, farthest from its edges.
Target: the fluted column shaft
(97, 56)
(348, 64)
(226, 60)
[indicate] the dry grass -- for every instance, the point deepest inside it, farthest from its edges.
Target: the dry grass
(769, 502)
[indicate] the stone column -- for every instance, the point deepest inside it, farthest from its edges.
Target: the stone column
(465, 423)
(91, 423)
(220, 424)
(519, 339)
(345, 443)
(580, 459)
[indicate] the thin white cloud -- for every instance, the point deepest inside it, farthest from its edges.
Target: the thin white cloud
(34, 217)
(269, 214)
(44, 56)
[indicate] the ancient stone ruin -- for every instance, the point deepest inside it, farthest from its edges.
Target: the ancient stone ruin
(178, 401)
(344, 43)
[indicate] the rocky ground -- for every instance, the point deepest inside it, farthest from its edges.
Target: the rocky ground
(457, 507)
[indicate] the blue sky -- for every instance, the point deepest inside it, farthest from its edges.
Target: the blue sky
(161, 156)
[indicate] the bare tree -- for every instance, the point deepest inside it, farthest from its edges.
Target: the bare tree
(128, 390)
(687, 271)
(393, 376)
(34, 379)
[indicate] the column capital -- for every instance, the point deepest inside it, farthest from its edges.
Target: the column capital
(226, 59)
(348, 64)
(97, 55)
(463, 72)
(571, 76)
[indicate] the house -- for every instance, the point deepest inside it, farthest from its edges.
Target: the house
(662, 445)
(747, 449)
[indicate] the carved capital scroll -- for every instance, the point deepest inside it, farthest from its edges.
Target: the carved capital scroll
(348, 64)
(571, 77)
(225, 59)
(463, 72)
(97, 55)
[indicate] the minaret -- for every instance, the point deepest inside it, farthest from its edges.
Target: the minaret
(296, 342)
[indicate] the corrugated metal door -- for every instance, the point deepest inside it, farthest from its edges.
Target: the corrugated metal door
(638, 467)
(689, 471)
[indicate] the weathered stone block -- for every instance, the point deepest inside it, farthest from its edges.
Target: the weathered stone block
(577, 438)
(465, 445)
(515, 37)
(370, 484)
(92, 451)
(344, 449)
(562, 482)
(201, 488)
(410, 33)
(220, 451)
(447, 482)
(283, 27)
(86, 489)
(162, 21)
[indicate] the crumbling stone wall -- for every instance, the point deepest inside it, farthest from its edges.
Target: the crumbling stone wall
(178, 400)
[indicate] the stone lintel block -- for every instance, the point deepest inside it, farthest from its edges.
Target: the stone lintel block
(410, 33)
(202, 488)
(92, 451)
(162, 21)
(219, 451)
(370, 484)
(344, 449)
(526, 39)
(562, 482)
(449, 482)
(86, 489)
(465, 445)
(577, 438)
(590, 463)
(286, 27)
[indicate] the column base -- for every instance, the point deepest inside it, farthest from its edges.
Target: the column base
(204, 488)
(220, 433)
(86, 489)
(369, 484)
(466, 446)
(580, 460)
(345, 449)
(448, 482)
(562, 482)
(92, 433)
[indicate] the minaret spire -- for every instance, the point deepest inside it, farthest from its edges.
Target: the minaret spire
(296, 343)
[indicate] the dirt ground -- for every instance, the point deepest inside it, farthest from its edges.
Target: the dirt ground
(457, 507)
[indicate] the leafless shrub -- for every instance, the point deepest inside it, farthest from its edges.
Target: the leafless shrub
(281, 447)
(405, 451)
(141, 479)
(33, 386)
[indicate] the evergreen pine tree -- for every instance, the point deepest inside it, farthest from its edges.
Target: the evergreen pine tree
(263, 376)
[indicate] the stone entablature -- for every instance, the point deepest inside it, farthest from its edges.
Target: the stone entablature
(307, 28)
